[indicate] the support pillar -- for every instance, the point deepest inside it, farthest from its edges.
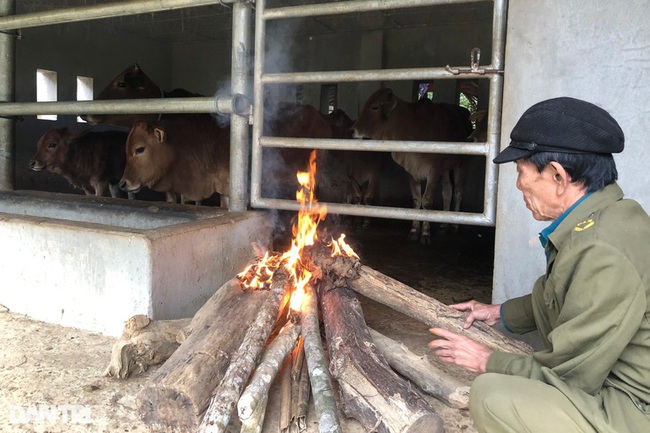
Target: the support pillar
(239, 129)
(7, 126)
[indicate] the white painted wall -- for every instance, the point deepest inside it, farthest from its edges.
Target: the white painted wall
(595, 50)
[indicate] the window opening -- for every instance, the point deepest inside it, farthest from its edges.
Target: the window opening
(426, 90)
(467, 91)
(84, 91)
(46, 90)
(328, 97)
(295, 93)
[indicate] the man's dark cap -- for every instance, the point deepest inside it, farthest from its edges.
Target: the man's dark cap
(566, 125)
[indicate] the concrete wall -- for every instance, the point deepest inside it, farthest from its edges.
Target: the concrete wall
(94, 262)
(598, 51)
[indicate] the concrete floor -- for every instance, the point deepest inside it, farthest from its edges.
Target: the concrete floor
(51, 364)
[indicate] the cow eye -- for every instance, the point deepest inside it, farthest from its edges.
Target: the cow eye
(139, 150)
(121, 84)
(51, 145)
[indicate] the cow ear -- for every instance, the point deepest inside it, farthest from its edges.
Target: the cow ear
(388, 105)
(159, 134)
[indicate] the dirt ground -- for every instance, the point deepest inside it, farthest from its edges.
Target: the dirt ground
(52, 377)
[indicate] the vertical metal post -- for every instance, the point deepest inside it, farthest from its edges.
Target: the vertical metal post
(258, 97)
(240, 84)
(496, 102)
(7, 127)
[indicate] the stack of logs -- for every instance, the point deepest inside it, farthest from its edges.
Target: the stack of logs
(224, 359)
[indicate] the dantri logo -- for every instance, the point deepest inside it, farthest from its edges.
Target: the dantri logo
(50, 414)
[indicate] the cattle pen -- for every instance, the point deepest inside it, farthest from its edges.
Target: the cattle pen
(245, 101)
(85, 265)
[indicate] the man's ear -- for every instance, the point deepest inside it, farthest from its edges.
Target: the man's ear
(560, 176)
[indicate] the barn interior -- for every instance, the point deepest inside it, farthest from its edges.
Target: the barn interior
(190, 48)
(554, 48)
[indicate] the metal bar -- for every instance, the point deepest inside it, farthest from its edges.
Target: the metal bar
(7, 89)
(383, 212)
(258, 96)
(367, 75)
(117, 106)
(494, 109)
(448, 147)
(353, 6)
(98, 11)
(240, 84)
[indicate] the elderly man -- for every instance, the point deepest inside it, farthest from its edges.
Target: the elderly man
(592, 306)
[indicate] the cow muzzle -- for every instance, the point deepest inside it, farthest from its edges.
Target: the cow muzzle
(35, 165)
(92, 119)
(126, 186)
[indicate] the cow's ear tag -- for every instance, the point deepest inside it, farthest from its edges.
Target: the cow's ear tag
(160, 134)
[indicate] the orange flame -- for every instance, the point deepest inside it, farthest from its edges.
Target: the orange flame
(260, 274)
(341, 248)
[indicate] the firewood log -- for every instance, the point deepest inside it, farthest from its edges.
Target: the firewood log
(244, 359)
(371, 392)
(144, 342)
(418, 370)
(319, 377)
(259, 385)
(177, 394)
(388, 291)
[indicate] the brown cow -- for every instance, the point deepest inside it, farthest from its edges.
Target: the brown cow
(133, 83)
(280, 165)
(355, 174)
(190, 155)
(90, 160)
(387, 117)
(186, 156)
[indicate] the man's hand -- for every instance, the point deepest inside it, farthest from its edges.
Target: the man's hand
(459, 350)
(490, 314)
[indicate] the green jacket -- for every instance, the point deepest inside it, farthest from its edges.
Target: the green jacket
(592, 311)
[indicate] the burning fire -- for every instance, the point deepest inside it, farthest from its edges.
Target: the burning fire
(260, 274)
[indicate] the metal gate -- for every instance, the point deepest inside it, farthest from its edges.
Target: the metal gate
(238, 104)
(492, 72)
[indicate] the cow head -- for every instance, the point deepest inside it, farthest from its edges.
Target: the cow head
(375, 114)
(131, 83)
(51, 150)
(148, 157)
(341, 124)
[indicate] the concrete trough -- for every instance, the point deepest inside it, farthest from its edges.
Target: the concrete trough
(93, 262)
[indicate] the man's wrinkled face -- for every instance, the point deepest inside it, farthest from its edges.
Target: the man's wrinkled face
(539, 190)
